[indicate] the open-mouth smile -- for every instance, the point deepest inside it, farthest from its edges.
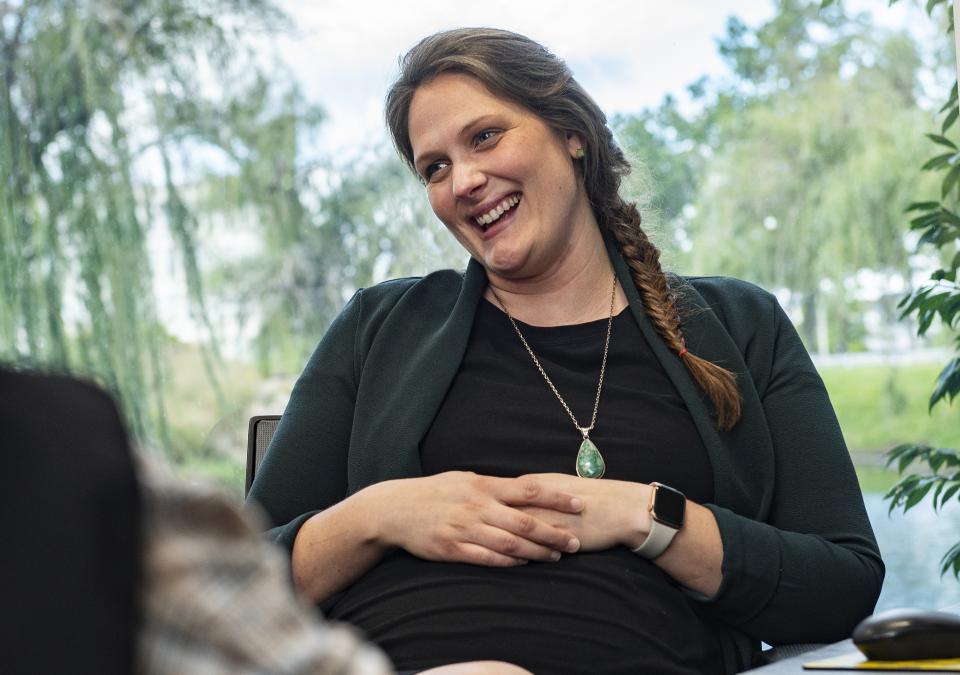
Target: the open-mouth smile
(486, 220)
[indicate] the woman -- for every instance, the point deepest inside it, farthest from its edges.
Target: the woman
(490, 465)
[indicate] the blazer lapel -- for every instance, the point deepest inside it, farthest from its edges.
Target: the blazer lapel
(407, 371)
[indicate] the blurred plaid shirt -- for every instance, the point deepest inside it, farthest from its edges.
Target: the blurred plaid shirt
(217, 597)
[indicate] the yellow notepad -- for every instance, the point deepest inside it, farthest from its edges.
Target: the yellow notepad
(857, 661)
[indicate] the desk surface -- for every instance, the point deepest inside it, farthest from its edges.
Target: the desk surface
(794, 665)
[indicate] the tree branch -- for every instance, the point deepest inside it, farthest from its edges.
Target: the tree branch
(11, 47)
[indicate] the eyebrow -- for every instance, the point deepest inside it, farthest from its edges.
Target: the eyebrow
(474, 122)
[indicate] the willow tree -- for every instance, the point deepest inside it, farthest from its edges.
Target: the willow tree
(98, 122)
(811, 195)
(366, 222)
(805, 181)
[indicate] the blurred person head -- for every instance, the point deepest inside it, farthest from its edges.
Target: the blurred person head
(504, 72)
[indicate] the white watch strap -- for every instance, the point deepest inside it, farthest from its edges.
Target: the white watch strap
(657, 541)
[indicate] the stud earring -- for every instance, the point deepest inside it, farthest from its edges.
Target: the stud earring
(579, 153)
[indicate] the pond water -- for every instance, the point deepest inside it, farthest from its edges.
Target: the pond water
(912, 546)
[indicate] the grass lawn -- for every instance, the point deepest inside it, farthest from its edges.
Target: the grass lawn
(883, 406)
(876, 478)
(880, 407)
(208, 433)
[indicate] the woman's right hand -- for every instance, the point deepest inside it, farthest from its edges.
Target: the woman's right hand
(460, 516)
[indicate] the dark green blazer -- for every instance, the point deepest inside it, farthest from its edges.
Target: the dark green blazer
(800, 563)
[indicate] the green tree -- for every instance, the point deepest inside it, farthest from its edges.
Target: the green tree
(788, 172)
(99, 123)
(373, 223)
(808, 191)
(668, 147)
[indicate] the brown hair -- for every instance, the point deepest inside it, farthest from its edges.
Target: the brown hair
(523, 71)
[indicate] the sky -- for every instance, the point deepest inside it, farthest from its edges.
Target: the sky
(627, 53)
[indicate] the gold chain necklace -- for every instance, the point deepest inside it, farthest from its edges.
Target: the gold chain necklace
(590, 462)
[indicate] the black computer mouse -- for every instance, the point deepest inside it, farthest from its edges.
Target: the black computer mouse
(909, 634)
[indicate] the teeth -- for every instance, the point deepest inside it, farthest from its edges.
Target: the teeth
(494, 213)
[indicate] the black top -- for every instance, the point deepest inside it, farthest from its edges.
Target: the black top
(603, 612)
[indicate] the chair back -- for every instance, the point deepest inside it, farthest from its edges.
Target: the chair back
(259, 432)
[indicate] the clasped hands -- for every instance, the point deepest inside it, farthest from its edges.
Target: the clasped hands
(501, 522)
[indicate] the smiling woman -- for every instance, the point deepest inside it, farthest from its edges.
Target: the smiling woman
(426, 477)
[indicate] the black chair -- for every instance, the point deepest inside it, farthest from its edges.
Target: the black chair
(259, 432)
(69, 527)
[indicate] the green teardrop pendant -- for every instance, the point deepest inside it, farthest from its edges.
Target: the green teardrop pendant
(590, 462)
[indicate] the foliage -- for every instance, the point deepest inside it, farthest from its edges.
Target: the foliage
(823, 195)
(373, 224)
(126, 125)
(939, 226)
(676, 164)
(99, 127)
(789, 171)
(942, 482)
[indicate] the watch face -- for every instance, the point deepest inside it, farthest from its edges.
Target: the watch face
(669, 506)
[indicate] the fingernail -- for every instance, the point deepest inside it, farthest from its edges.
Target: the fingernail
(576, 503)
(555, 556)
(573, 545)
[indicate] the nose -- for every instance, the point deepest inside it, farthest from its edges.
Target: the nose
(468, 178)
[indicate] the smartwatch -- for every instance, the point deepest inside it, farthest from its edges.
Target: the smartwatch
(667, 509)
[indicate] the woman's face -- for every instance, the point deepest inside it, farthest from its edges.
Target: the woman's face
(498, 177)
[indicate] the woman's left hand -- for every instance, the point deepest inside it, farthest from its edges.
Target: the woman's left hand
(617, 513)
(614, 511)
